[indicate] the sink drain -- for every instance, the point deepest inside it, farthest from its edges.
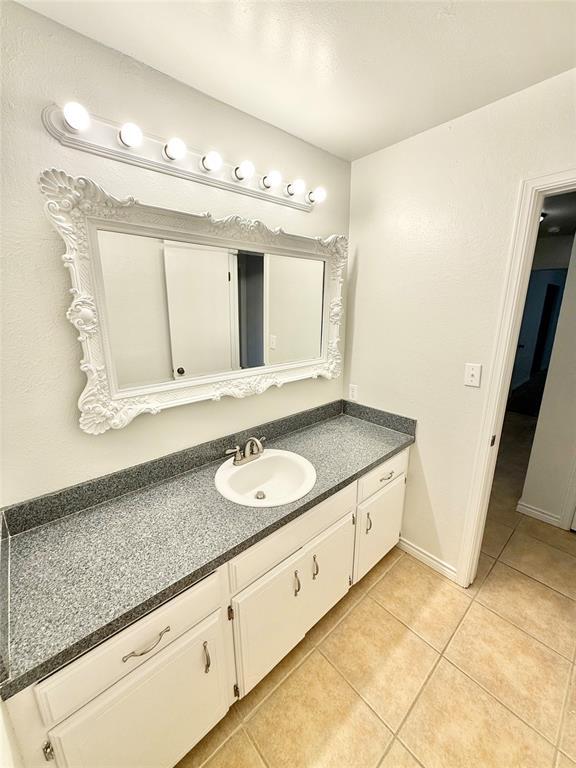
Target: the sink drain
(260, 495)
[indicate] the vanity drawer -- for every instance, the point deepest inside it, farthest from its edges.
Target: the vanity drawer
(263, 556)
(73, 686)
(382, 475)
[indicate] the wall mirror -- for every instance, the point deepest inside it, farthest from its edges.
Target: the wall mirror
(173, 308)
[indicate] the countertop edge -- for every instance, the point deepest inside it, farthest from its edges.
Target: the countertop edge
(14, 685)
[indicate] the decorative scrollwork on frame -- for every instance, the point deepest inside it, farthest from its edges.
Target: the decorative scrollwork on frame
(255, 385)
(75, 205)
(82, 314)
(336, 309)
(99, 412)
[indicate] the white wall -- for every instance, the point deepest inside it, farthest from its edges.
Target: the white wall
(44, 62)
(548, 486)
(295, 294)
(136, 307)
(431, 225)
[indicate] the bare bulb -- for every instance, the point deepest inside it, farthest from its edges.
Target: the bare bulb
(272, 179)
(175, 149)
(130, 135)
(244, 171)
(317, 195)
(296, 187)
(76, 116)
(211, 161)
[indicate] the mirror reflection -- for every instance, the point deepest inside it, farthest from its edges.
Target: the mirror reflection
(178, 310)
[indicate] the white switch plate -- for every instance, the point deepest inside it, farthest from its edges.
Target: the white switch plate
(272, 341)
(472, 374)
(353, 394)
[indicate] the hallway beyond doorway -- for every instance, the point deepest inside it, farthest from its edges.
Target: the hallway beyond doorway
(502, 519)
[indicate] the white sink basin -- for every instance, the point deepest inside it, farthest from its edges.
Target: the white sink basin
(281, 476)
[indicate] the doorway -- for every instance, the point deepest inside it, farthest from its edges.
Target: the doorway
(523, 397)
(527, 494)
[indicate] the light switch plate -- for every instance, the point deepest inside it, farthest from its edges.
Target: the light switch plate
(353, 393)
(472, 374)
(272, 341)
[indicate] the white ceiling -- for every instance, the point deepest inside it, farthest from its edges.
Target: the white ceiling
(350, 77)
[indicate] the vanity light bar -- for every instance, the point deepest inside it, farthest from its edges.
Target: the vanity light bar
(73, 126)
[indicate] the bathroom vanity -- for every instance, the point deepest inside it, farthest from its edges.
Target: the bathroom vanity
(144, 604)
(94, 684)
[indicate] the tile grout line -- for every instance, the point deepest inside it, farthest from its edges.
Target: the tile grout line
(317, 645)
(571, 673)
(529, 576)
(565, 707)
(529, 634)
(254, 743)
(489, 693)
(220, 746)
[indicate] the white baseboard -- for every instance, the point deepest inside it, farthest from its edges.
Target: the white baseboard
(425, 557)
(539, 514)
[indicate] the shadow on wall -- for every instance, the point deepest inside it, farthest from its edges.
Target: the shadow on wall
(418, 497)
(350, 285)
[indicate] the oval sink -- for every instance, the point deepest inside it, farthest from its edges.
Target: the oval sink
(274, 478)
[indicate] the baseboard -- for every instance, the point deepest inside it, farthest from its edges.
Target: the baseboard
(539, 514)
(425, 557)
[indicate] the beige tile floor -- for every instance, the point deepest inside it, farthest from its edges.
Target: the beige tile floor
(410, 670)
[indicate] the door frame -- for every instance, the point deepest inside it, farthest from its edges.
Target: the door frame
(532, 194)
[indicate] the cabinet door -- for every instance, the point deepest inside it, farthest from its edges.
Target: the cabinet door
(378, 526)
(154, 715)
(328, 570)
(269, 620)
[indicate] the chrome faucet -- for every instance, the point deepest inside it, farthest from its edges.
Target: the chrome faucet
(252, 450)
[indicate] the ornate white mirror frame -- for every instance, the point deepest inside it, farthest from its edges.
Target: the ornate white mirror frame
(77, 207)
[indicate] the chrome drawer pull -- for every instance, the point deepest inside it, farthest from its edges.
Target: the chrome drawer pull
(207, 659)
(147, 650)
(389, 476)
(368, 522)
(316, 570)
(298, 586)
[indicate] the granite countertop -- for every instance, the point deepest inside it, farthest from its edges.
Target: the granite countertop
(76, 581)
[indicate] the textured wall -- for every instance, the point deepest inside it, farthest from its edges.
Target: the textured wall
(431, 227)
(44, 62)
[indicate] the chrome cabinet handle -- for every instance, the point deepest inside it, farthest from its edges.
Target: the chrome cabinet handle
(298, 586)
(389, 476)
(150, 647)
(368, 522)
(207, 659)
(316, 570)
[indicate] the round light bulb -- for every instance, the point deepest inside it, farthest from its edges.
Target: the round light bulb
(175, 149)
(76, 116)
(296, 187)
(272, 179)
(130, 135)
(244, 171)
(211, 161)
(317, 195)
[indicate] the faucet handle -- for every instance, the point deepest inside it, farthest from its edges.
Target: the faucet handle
(236, 451)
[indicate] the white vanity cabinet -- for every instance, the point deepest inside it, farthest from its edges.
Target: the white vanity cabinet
(379, 514)
(272, 615)
(155, 715)
(146, 696)
(378, 526)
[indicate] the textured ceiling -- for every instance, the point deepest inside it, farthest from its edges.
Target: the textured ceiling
(350, 77)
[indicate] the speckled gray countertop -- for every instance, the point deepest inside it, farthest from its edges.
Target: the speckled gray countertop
(78, 580)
